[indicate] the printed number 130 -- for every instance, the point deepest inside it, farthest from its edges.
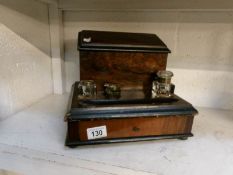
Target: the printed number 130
(97, 133)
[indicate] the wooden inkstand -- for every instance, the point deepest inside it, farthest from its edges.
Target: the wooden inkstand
(130, 61)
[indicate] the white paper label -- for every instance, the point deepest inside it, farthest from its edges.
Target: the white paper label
(96, 132)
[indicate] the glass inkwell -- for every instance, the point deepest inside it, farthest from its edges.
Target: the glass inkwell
(86, 89)
(162, 86)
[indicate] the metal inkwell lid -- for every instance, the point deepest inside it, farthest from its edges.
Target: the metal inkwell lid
(112, 90)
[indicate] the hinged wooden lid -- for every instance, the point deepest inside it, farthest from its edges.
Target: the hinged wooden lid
(128, 59)
(120, 41)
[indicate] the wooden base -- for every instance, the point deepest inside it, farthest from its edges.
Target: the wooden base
(131, 129)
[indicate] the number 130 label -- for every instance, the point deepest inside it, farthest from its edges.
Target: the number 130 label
(96, 132)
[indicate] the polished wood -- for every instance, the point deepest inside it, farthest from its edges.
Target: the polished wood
(131, 70)
(131, 61)
(132, 127)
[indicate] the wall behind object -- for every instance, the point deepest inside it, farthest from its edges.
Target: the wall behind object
(25, 69)
(29, 20)
(201, 44)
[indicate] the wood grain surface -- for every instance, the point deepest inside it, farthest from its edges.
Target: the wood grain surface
(131, 70)
(133, 127)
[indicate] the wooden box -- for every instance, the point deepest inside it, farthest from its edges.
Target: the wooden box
(130, 60)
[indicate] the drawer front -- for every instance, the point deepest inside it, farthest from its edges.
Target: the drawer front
(132, 127)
